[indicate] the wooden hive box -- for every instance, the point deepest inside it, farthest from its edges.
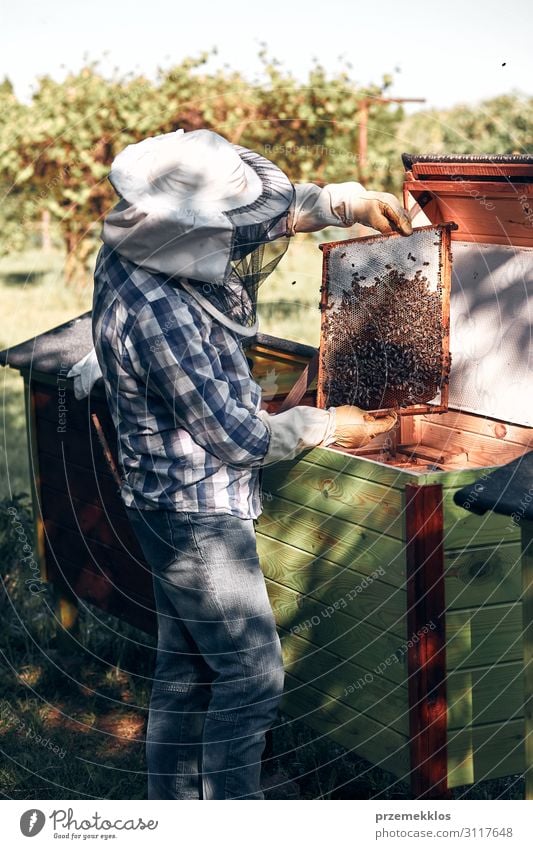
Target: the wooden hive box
(399, 613)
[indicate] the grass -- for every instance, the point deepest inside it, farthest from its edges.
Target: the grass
(72, 725)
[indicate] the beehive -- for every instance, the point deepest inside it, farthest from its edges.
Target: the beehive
(446, 710)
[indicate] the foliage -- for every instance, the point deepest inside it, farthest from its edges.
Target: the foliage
(56, 151)
(500, 125)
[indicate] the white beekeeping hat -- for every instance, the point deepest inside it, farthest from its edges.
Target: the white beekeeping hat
(195, 206)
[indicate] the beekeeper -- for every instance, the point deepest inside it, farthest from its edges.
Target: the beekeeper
(199, 225)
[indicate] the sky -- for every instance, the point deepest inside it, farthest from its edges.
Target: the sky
(446, 52)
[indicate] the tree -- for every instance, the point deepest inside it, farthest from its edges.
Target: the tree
(499, 125)
(66, 139)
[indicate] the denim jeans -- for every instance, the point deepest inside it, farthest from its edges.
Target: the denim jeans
(219, 672)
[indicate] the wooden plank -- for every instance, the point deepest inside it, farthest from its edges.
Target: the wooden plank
(366, 468)
(489, 574)
(437, 456)
(505, 171)
(426, 657)
(118, 565)
(90, 521)
(356, 732)
(96, 592)
(340, 679)
(455, 478)
(274, 353)
(78, 412)
(481, 450)
(362, 502)
(85, 484)
(485, 695)
(486, 751)
(274, 374)
(358, 641)
(35, 479)
(527, 625)
(73, 446)
(337, 540)
(357, 594)
(273, 405)
(44, 379)
(464, 187)
(483, 636)
(478, 425)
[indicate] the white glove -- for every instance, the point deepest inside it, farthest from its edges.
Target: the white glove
(383, 212)
(296, 430)
(344, 204)
(85, 373)
(356, 427)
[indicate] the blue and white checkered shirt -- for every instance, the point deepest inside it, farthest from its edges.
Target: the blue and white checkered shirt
(180, 393)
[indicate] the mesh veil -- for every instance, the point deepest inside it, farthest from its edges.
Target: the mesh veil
(259, 242)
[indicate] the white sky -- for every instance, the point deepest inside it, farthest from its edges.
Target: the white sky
(448, 52)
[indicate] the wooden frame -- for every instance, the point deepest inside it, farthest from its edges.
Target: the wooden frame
(446, 276)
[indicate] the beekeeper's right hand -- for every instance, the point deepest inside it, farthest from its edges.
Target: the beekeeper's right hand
(355, 427)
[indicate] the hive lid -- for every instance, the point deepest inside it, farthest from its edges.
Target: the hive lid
(489, 197)
(53, 351)
(491, 303)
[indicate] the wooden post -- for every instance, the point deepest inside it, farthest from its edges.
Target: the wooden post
(363, 139)
(364, 104)
(65, 602)
(35, 479)
(426, 659)
(527, 619)
(46, 240)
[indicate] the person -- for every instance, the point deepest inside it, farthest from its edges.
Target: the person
(199, 225)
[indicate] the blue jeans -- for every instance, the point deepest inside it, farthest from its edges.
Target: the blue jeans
(219, 671)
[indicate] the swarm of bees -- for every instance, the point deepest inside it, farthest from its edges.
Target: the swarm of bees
(382, 344)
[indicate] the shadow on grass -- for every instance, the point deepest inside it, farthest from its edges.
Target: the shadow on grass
(22, 278)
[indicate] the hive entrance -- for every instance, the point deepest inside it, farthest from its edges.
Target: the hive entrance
(385, 322)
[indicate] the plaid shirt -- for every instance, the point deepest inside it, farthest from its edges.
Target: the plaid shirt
(180, 393)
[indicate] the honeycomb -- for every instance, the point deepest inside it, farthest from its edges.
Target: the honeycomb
(385, 320)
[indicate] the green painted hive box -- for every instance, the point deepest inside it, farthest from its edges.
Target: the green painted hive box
(400, 613)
